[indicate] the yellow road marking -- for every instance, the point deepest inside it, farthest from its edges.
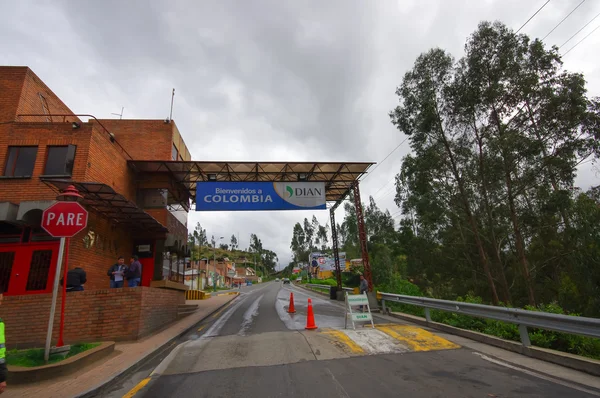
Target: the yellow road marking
(416, 338)
(201, 327)
(137, 388)
(344, 339)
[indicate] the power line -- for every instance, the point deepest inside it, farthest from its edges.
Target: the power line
(530, 18)
(563, 20)
(579, 42)
(385, 158)
(576, 33)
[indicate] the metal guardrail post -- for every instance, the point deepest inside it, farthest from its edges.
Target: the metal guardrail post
(427, 315)
(524, 336)
(383, 306)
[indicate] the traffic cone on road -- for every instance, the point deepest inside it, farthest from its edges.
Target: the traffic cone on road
(310, 317)
(291, 308)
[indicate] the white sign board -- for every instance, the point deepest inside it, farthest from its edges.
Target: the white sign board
(362, 317)
(355, 300)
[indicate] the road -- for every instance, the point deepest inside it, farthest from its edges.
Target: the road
(254, 348)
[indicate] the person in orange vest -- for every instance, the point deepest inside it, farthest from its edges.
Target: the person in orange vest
(3, 370)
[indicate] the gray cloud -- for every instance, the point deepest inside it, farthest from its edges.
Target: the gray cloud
(266, 80)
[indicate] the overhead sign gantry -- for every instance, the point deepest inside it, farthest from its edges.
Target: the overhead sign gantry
(255, 186)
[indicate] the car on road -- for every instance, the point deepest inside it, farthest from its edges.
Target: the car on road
(276, 279)
(286, 280)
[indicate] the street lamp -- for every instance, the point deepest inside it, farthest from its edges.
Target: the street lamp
(215, 263)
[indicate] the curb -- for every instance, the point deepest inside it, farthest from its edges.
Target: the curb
(96, 389)
(576, 362)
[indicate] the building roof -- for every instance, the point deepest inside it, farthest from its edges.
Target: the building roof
(102, 199)
(338, 177)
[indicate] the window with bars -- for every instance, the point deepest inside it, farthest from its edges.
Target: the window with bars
(20, 161)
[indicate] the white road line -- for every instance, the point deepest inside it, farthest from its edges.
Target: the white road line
(250, 313)
(538, 375)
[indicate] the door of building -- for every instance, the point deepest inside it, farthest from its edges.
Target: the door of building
(28, 268)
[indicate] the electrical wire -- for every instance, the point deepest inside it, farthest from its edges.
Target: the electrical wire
(530, 18)
(579, 42)
(563, 20)
(384, 159)
(576, 33)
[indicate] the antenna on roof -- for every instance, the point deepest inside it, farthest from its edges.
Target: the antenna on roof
(172, 97)
(120, 115)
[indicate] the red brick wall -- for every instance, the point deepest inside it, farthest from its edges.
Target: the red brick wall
(41, 135)
(11, 86)
(31, 103)
(143, 139)
(96, 315)
(159, 307)
(105, 244)
(108, 165)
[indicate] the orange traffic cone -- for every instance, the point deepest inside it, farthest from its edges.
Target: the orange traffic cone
(310, 317)
(291, 308)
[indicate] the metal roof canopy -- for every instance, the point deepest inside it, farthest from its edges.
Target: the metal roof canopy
(102, 199)
(339, 177)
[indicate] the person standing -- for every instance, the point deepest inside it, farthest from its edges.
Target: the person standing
(364, 288)
(134, 272)
(3, 369)
(76, 278)
(116, 273)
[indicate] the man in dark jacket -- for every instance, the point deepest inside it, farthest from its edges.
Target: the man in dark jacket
(3, 370)
(116, 273)
(76, 278)
(134, 272)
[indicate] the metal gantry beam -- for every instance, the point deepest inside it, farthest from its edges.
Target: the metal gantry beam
(336, 252)
(362, 236)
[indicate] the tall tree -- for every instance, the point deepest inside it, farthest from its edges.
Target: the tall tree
(234, 242)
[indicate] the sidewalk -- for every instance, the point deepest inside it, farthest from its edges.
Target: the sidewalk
(126, 355)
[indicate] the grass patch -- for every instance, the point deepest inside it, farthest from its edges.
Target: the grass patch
(35, 356)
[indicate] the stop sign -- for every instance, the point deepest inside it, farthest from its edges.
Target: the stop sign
(64, 219)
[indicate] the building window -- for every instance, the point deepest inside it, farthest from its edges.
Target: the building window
(59, 160)
(174, 152)
(20, 161)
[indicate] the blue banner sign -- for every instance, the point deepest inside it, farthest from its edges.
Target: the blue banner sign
(252, 196)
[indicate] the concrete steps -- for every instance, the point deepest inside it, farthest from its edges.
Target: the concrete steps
(184, 310)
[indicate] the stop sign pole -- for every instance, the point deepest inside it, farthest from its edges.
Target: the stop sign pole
(63, 220)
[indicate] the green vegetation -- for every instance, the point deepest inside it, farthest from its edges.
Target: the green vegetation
(489, 212)
(35, 356)
(200, 248)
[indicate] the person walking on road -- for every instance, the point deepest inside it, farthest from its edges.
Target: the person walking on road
(134, 272)
(3, 369)
(364, 288)
(116, 273)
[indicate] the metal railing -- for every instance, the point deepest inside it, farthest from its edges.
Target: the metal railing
(578, 325)
(326, 287)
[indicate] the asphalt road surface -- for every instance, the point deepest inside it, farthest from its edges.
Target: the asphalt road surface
(256, 349)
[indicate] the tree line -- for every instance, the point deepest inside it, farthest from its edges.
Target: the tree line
(487, 195)
(265, 259)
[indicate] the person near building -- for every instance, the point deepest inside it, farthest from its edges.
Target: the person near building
(3, 369)
(116, 273)
(76, 278)
(134, 272)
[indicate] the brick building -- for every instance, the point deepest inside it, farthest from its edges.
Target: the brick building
(44, 148)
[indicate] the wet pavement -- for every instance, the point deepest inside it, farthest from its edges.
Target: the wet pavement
(255, 348)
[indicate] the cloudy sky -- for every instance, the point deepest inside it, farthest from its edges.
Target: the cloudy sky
(268, 79)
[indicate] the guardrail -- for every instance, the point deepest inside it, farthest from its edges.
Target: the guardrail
(346, 289)
(578, 325)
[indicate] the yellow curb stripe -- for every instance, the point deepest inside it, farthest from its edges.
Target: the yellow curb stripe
(137, 388)
(416, 338)
(201, 327)
(344, 339)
